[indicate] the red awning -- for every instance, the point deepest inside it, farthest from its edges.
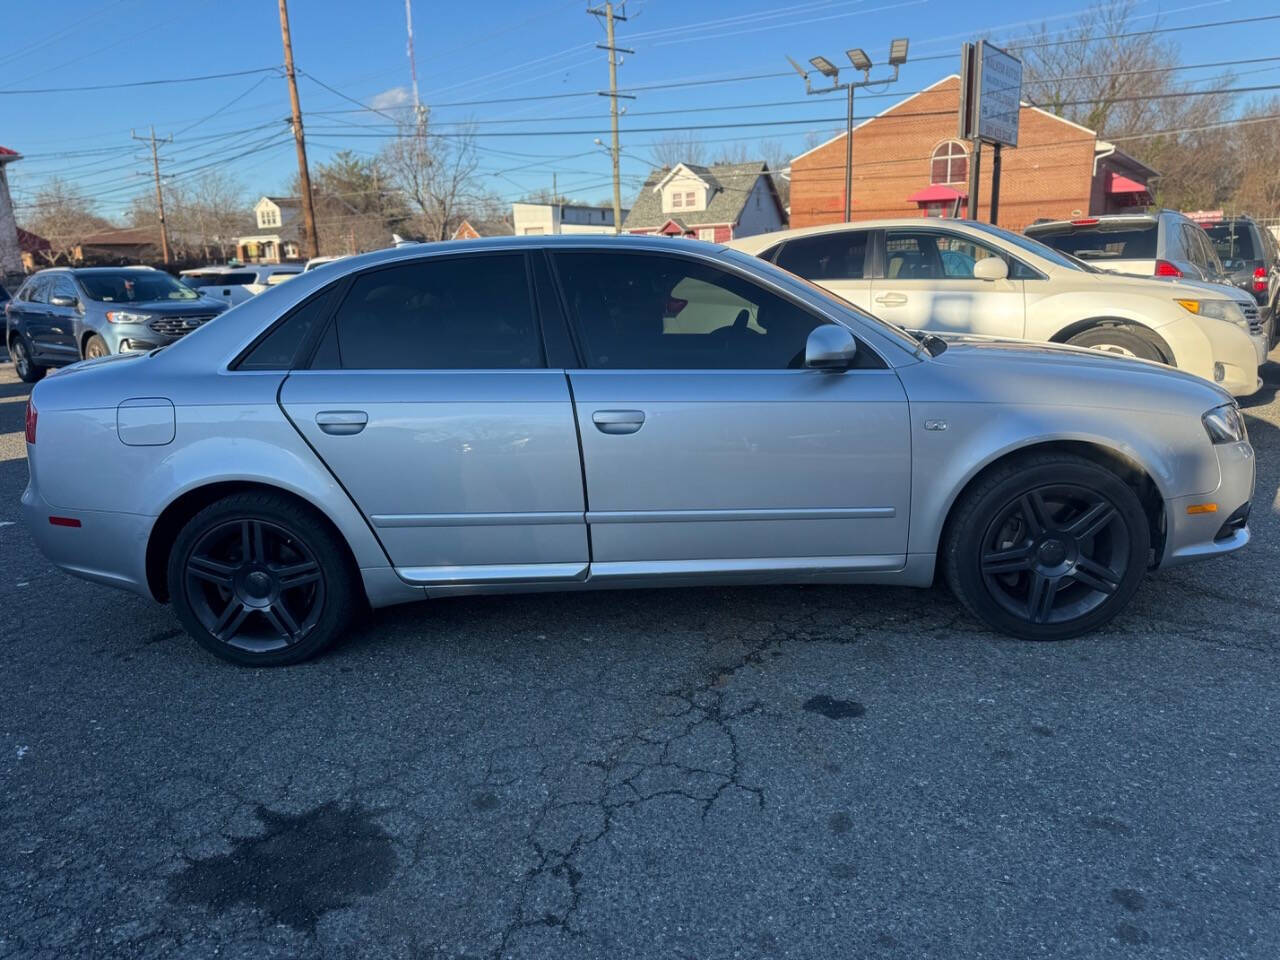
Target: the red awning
(938, 194)
(1119, 184)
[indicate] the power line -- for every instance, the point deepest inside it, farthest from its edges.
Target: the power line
(142, 83)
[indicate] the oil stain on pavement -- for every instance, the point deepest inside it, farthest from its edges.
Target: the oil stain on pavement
(300, 868)
(834, 709)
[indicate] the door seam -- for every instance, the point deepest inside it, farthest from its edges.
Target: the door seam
(582, 469)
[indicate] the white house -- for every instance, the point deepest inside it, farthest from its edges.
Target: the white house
(536, 219)
(717, 203)
(277, 238)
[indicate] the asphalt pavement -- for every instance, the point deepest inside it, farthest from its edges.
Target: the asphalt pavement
(816, 772)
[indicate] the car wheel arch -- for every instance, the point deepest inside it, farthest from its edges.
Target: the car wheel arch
(1126, 467)
(1140, 329)
(164, 532)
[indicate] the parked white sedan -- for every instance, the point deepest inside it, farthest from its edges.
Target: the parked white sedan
(961, 276)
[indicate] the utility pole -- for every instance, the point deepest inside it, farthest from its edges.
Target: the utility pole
(609, 17)
(304, 178)
(155, 169)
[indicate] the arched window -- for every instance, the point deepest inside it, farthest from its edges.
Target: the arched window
(950, 163)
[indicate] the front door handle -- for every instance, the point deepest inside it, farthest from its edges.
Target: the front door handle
(618, 421)
(342, 423)
(891, 299)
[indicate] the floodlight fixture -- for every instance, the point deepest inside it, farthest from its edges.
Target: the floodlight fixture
(858, 57)
(824, 67)
(898, 52)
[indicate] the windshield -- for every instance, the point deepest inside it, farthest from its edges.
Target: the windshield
(1233, 242)
(1035, 247)
(134, 286)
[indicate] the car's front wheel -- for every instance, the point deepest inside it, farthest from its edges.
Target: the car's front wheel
(28, 371)
(1114, 338)
(95, 347)
(261, 580)
(1047, 547)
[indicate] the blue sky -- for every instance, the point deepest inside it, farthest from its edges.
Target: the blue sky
(479, 52)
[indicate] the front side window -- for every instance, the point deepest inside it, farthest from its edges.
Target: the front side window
(932, 256)
(446, 313)
(37, 291)
(134, 286)
(645, 312)
(63, 287)
(827, 256)
(950, 163)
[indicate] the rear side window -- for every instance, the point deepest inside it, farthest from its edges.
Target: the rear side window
(1101, 243)
(832, 256)
(37, 291)
(453, 313)
(279, 349)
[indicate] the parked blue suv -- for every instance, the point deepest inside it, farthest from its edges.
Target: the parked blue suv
(67, 314)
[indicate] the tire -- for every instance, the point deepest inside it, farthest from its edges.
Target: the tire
(95, 347)
(1126, 341)
(284, 599)
(1046, 547)
(28, 370)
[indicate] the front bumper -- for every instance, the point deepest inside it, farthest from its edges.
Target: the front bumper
(108, 548)
(1199, 536)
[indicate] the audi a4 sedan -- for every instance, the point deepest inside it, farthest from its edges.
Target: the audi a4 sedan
(67, 314)
(569, 413)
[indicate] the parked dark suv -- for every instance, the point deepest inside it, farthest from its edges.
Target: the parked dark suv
(1251, 257)
(68, 314)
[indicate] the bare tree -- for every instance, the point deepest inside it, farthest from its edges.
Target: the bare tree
(204, 215)
(1257, 144)
(436, 175)
(64, 216)
(685, 147)
(1106, 73)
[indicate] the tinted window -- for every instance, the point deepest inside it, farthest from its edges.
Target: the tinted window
(134, 286)
(278, 350)
(441, 314)
(645, 312)
(1101, 242)
(63, 287)
(831, 256)
(1233, 243)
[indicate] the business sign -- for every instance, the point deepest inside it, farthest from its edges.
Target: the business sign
(990, 94)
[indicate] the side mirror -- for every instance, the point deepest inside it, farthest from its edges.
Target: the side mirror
(991, 268)
(830, 347)
(62, 300)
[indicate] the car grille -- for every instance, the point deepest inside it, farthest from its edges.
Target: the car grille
(176, 326)
(1251, 314)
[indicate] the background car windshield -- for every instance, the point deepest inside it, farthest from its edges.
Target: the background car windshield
(134, 286)
(1233, 242)
(1128, 242)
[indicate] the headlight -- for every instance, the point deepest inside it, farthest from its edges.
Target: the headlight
(1227, 310)
(124, 316)
(1225, 424)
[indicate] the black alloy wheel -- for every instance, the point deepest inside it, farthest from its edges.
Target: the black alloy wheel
(1055, 553)
(1046, 546)
(261, 580)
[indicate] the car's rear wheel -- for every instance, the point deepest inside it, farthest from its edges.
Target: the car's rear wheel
(95, 347)
(27, 370)
(1047, 547)
(260, 580)
(1118, 339)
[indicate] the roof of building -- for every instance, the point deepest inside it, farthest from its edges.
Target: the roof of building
(731, 184)
(29, 242)
(284, 201)
(127, 237)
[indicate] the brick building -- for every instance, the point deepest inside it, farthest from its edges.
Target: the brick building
(907, 161)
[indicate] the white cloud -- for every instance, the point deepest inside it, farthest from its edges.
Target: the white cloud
(395, 97)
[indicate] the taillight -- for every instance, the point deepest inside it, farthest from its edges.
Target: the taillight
(1085, 222)
(1260, 280)
(31, 422)
(1166, 269)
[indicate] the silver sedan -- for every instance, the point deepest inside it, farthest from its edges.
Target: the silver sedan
(575, 413)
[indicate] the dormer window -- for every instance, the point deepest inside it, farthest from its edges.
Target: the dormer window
(677, 200)
(689, 199)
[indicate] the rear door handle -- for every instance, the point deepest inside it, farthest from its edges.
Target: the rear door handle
(618, 421)
(342, 423)
(892, 299)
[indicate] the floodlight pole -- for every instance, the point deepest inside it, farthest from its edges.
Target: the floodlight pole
(849, 86)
